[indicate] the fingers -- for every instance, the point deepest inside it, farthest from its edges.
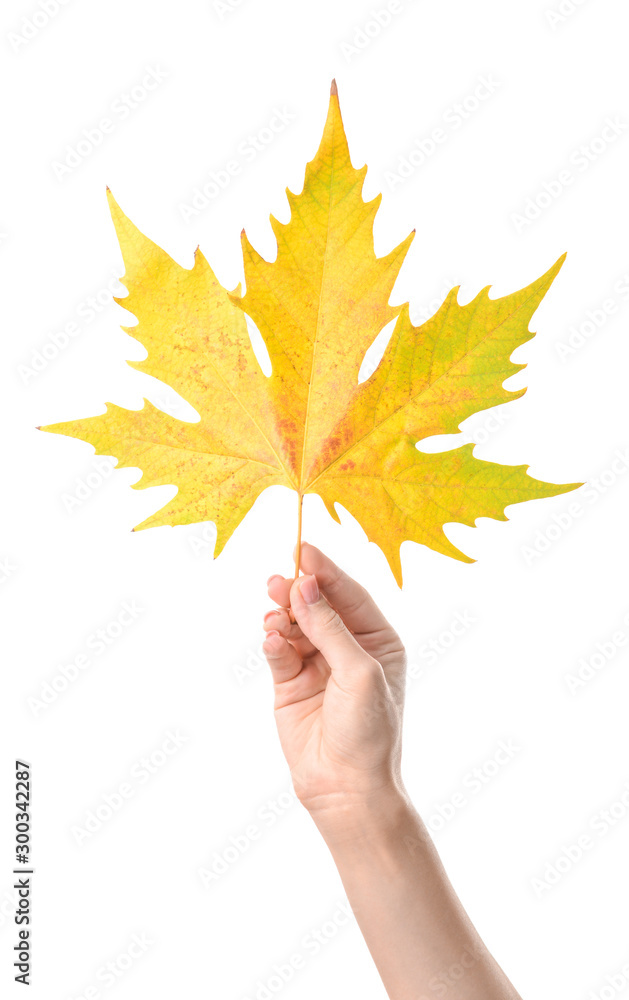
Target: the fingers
(294, 680)
(279, 590)
(279, 621)
(353, 603)
(282, 657)
(324, 627)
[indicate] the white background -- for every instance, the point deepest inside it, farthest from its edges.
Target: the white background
(190, 661)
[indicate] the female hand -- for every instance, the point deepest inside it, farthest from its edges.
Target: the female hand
(339, 676)
(339, 691)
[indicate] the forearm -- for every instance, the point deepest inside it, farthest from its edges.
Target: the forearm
(421, 940)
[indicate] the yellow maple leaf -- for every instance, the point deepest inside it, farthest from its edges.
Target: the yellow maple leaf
(311, 426)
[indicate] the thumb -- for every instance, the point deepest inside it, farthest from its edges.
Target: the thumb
(325, 628)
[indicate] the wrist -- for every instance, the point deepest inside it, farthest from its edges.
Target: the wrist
(355, 822)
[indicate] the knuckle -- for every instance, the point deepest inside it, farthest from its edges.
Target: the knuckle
(330, 620)
(374, 668)
(369, 679)
(336, 579)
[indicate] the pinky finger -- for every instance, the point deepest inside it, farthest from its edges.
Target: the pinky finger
(282, 657)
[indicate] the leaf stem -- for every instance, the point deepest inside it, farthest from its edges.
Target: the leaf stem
(298, 548)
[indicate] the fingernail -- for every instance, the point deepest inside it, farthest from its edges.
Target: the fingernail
(271, 614)
(309, 589)
(276, 576)
(272, 639)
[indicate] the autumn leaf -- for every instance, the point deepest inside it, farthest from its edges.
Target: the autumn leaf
(310, 425)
